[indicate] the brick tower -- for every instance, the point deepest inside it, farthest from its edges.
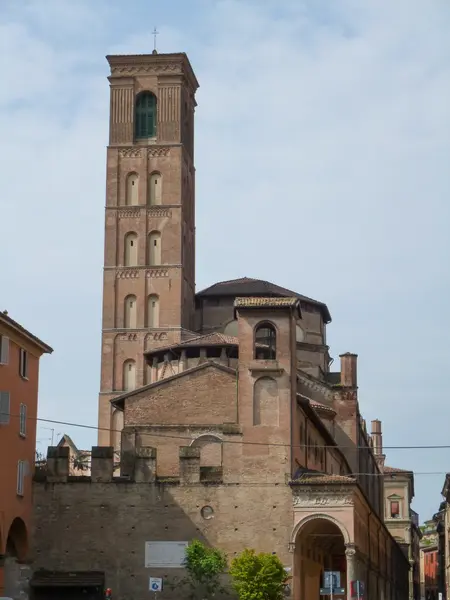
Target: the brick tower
(149, 266)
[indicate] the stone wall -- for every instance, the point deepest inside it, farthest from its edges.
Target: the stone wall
(102, 523)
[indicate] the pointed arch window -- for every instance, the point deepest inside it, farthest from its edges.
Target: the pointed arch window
(145, 116)
(265, 342)
(132, 191)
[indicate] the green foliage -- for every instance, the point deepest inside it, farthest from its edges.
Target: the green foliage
(258, 576)
(204, 566)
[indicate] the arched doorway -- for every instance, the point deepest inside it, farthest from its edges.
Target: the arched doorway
(16, 553)
(319, 555)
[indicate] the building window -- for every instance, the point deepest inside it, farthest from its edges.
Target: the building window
(132, 190)
(265, 342)
(23, 363)
(4, 408)
(395, 509)
(131, 249)
(155, 189)
(129, 375)
(20, 477)
(4, 350)
(154, 248)
(153, 311)
(23, 420)
(145, 116)
(130, 317)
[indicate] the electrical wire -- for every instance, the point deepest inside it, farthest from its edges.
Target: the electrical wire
(246, 442)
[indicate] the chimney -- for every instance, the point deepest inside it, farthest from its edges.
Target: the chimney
(377, 442)
(349, 369)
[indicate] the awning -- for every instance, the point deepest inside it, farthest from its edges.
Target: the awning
(68, 579)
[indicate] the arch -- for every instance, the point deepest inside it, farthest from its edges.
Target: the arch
(130, 310)
(231, 328)
(132, 190)
(145, 115)
(211, 449)
(265, 402)
(116, 426)
(17, 540)
(129, 375)
(316, 517)
(265, 347)
(153, 311)
(155, 189)
(131, 249)
(154, 248)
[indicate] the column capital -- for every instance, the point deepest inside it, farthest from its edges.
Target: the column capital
(350, 550)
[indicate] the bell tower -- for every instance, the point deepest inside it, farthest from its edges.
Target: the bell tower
(149, 265)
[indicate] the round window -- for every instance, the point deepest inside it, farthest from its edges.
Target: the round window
(207, 512)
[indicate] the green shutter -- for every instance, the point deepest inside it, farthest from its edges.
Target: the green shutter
(145, 116)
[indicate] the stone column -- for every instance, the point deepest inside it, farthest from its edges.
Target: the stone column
(350, 555)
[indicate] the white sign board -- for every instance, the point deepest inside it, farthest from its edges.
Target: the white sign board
(165, 554)
(155, 584)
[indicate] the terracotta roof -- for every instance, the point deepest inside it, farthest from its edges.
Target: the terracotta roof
(20, 329)
(321, 407)
(210, 339)
(265, 302)
(388, 469)
(248, 286)
(321, 479)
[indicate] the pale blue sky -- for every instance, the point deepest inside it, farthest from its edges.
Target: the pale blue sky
(322, 153)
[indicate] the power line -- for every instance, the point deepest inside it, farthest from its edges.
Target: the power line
(226, 441)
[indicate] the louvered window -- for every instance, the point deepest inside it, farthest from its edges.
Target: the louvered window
(145, 116)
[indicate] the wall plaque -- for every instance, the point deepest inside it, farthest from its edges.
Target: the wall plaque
(165, 554)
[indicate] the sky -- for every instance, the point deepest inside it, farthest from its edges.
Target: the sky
(322, 157)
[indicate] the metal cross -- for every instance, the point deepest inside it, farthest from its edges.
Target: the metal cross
(155, 33)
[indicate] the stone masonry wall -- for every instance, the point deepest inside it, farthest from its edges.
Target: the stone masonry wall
(84, 525)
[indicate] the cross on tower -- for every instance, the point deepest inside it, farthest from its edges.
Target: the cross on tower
(155, 33)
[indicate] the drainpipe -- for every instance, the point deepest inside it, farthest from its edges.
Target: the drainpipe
(370, 555)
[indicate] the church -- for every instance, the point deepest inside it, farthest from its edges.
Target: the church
(229, 423)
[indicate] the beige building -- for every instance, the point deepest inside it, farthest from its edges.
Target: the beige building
(400, 519)
(231, 426)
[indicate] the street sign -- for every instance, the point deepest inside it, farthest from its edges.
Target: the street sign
(340, 591)
(155, 584)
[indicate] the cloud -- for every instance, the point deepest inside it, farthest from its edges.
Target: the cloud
(322, 147)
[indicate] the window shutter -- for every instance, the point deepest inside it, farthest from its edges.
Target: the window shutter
(395, 508)
(23, 419)
(4, 408)
(4, 350)
(20, 477)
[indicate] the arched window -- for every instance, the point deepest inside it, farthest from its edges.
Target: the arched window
(153, 311)
(265, 402)
(129, 375)
(210, 450)
(154, 248)
(155, 189)
(145, 116)
(130, 258)
(130, 317)
(265, 342)
(132, 190)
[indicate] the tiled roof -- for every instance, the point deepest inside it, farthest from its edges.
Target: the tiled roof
(321, 407)
(388, 469)
(210, 339)
(322, 479)
(20, 329)
(251, 302)
(248, 286)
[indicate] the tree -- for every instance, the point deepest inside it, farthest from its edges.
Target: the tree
(204, 566)
(258, 576)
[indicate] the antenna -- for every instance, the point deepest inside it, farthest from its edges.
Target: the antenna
(155, 33)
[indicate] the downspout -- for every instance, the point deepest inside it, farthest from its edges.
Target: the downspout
(293, 402)
(370, 554)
